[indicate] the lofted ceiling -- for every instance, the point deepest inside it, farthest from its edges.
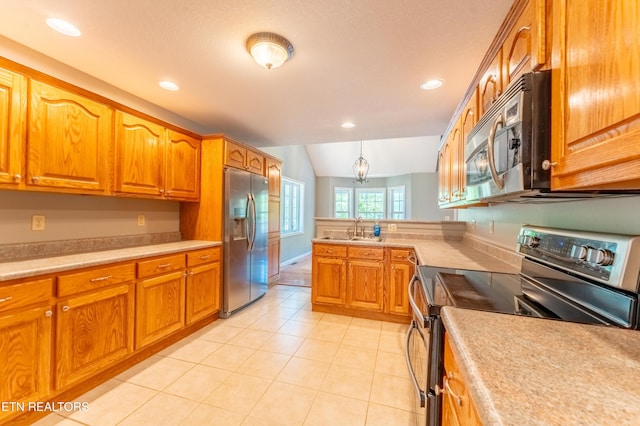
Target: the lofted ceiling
(355, 60)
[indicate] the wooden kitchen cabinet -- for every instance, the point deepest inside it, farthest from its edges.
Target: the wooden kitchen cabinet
(490, 84)
(25, 342)
(401, 269)
(273, 172)
(241, 157)
(69, 141)
(182, 180)
(13, 132)
(365, 278)
(160, 298)
(139, 156)
(595, 95)
(93, 331)
(203, 283)
(457, 406)
(444, 173)
(329, 274)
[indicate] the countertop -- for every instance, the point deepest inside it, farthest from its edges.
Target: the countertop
(521, 370)
(447, 254)
(33, 267)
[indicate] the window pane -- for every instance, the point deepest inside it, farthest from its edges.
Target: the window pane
(291, 202)
(371, 203)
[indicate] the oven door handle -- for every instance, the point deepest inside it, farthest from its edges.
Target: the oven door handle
(413, 327)
(414, 306)
(499, 181)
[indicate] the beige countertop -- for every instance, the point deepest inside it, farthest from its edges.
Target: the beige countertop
(33, 267)
(448, 254)
(522, 370)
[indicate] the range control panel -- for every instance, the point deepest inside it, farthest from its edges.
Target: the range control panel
(612, 259)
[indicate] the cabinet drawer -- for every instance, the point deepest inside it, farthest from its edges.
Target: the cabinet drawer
(203, 256)
(24, 294)
(400, 255)
(148, 268)
(331, 250)
(94, 279)
(374, 253)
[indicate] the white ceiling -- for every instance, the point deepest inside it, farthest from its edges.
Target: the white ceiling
(354, 60)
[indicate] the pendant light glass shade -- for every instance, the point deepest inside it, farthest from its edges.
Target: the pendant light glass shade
(269, 50)
(361, 168)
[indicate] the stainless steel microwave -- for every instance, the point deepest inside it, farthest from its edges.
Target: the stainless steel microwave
(505, 151)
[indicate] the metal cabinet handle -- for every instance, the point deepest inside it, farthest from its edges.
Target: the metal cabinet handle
(48, 314)
(17, 177)
(164, 265)
(162, 191)
(93, 280)
(447, 388)
(205, 257)
(546, 164)
(168, 192)
(65, 308)
(35, 179)
(191, 273)
(6, 299)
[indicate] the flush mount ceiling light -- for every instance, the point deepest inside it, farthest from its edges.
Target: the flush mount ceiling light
(269, 50)
(347, 125)
(63, 27)
(361, 168)
(169, 85)
(432, 84)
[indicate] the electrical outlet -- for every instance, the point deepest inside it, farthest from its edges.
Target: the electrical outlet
(37, 223)
(393, 227)
(492, 227)
(473, 225)
(141, 220)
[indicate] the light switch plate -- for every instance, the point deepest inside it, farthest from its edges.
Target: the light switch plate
(141, 220)
(393, 227)
(37, 223)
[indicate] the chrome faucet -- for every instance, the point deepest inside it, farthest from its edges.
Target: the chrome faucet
(355, 226)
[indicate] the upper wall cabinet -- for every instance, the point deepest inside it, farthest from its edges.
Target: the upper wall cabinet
(183, 166)
(596, 95)
(242, 158)
(139, 156)
(13, 113)
(69, 140)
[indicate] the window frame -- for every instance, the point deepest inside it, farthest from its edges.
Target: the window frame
(390, 202)
(382, 191)
(350, 201)
(300, 207)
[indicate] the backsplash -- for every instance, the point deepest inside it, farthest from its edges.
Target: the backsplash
(23, 251)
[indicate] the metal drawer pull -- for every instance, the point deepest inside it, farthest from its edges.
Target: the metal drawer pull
(65, 308)
(93, 280)
(48, 314)
(329, 251)
(206, 256)
(164, 265)
(6, 299)
(447, 388)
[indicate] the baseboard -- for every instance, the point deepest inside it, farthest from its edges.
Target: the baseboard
(295, 259)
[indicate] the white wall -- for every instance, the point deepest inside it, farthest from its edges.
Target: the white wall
(611, 215)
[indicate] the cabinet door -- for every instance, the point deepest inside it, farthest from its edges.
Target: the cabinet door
(490, 86)
(235, 155)
(183, 167)
(329, 281)
(595, 95)
(140, 156)
(364, 285)
(255, 162)
(401, 271)
(69, 140)
(93, 331)
(25, 356)
(13, 113)
(274, 174)
(444, 173)
(457, 164)
(203, 291)
(160, 307)
(273, 247)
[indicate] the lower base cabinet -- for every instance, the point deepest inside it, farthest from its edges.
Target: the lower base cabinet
(457, 406)
(94, 330)
(25, 357)
(203, 291)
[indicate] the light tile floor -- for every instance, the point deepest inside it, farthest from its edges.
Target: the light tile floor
(274, 363)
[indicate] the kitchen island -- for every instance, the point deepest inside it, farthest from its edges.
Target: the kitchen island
(522, 370)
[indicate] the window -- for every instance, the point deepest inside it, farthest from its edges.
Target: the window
(343, 205)
(370, 203)
(396, 202)
(291, 202)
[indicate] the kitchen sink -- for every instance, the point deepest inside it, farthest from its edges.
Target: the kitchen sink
(346, 238)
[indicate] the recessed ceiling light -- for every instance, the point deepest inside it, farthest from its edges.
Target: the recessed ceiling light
(432, 84)
(348, 125)
(169, 85)
(63, 27)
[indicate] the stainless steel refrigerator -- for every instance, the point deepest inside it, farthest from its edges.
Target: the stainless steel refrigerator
(246, 204)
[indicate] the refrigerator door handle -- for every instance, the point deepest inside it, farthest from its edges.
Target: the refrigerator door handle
(247, 225)
(255, 221)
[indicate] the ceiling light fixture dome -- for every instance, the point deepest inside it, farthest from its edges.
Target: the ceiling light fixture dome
(63, 27)
(269, 50)
(432, 84)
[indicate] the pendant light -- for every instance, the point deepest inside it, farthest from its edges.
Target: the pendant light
(361, 168)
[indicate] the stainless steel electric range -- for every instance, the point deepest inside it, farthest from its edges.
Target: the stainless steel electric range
(566, 275)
